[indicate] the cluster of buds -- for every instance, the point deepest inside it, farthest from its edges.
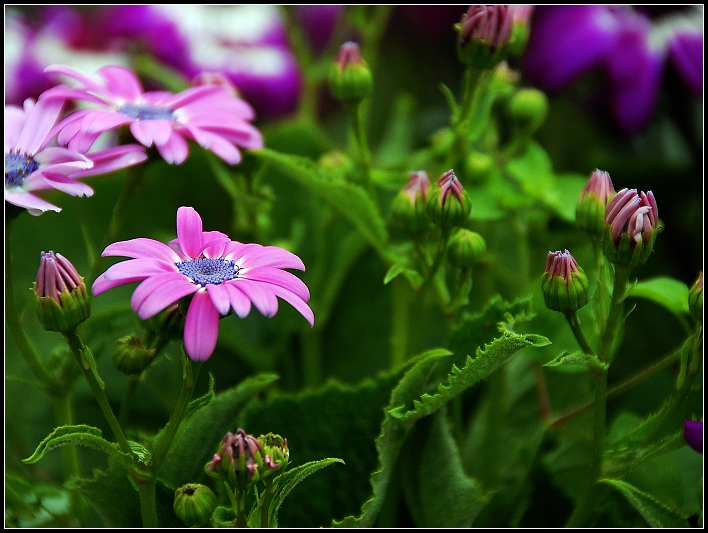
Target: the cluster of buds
(194, 504)
(592, 204)
(449, 204)
(243, 459)
(484, 32)
(631, 223)
(350, 79)
(564, 283)
(61, 297)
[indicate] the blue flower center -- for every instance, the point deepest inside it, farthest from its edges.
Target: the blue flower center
(17, 167)
(146, 112)
(205, 271)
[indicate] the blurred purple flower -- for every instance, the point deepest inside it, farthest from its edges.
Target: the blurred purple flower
(219, 274)
(632, 49)
(209, 114)
(33, 163)
(318, 23)
(693, 433)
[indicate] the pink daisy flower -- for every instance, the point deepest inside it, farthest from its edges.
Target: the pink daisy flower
(207, 114)
(220, 275)
(33, 164)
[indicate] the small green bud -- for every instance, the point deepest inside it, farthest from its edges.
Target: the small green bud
(521, 30)
(449, 204)
(631, 226)
(479, 167)
(275, 453)
(130, 357)
(484, 33)
(592, 203)
(695, 298)
(408, 211)
(564, 283)
(441, 142)
(194, 504)
(350, 79)
(466, 248)
(528, 109)
(167, 324)
(62, 301)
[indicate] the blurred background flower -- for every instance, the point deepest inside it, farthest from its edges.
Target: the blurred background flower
(633, 46)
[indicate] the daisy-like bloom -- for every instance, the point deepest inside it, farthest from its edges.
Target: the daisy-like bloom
(208, 114)
(33, 164)
(218, 274)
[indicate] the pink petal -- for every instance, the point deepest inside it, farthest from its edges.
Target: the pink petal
(111, 159)
(149, 132)
(271, 256)
(67, 185)
(121, 82)
(191, 95)
(296, 302)
(88, 82)
(279, 277)
(38, 122)
(175, 150)
(167, 289)
(102, 284)
(14, 119)
(217, 144)
(260, 294)
(100, 120)
(138, 269)
(239, 301)
(189, 231)
(34, 205)
(219, 295)
(201, 327)
(142, 248)
(56, 155)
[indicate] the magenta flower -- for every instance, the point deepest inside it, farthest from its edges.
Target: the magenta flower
(208, 114)
(693, 433)
(220, 275)
(33, 164)
(631, 48)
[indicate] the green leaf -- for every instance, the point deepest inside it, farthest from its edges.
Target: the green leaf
(485, 203)
(665, 291)
(351, 200)
(392, 436)
(285, 482)
(411, 275)
(80, 435)
(200, 434)
(654, 512)
(578, 358)
(112, 496)
(450, 99)
(201, 402)
(567, 191)
(440, 493)
(476, 369)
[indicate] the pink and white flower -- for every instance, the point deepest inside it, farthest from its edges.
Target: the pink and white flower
(207, 114)
(33, 163)
(218, 274)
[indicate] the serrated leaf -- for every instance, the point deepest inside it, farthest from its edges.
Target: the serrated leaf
(476, 369)
(79, 435)
(656, 513)
(578, 358)
(199, 435)
(669, 293)
(288, 480)
(351, 200)
(392, 436)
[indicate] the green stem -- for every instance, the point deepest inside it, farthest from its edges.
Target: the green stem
(268, 494)
(359, 131)
(86, 361)
(440, 254)
(400, 322)
(461, 127)
(574, 323)
(133, 179)
(587, 499)
(148, 503)
(190, 372)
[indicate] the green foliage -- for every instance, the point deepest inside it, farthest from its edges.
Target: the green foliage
(665, 291)
(654, 512)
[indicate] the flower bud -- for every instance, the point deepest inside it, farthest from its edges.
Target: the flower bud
(350, 79)
(466, 248)
(592, 204)
(521, 15)
(528, 109)
(167, 324)
(631, 223)
(449, 205)
(484, 32)
(194, 504)
(564, 283)
(61, 298)
(408, 210)
(130, 357)
(479, 166)
(240, 460)
(276, 453)
(695, 298)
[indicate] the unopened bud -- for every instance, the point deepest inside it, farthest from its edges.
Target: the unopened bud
(521, 29)
(466, 248)
(479, 167)
(61, 298)
(408, 210)
(484, 33)
(631, 226)
(449, 204)
(130, 357)
(350, 79)
(592, 203)
(194, 504)
(275, 453)
(564, 283)
(528, 109)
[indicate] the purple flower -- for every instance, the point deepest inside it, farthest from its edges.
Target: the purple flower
(33, 164)
(569, 41)
(693, 433)
(319, 23)
(208, 114)
(218, 274)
